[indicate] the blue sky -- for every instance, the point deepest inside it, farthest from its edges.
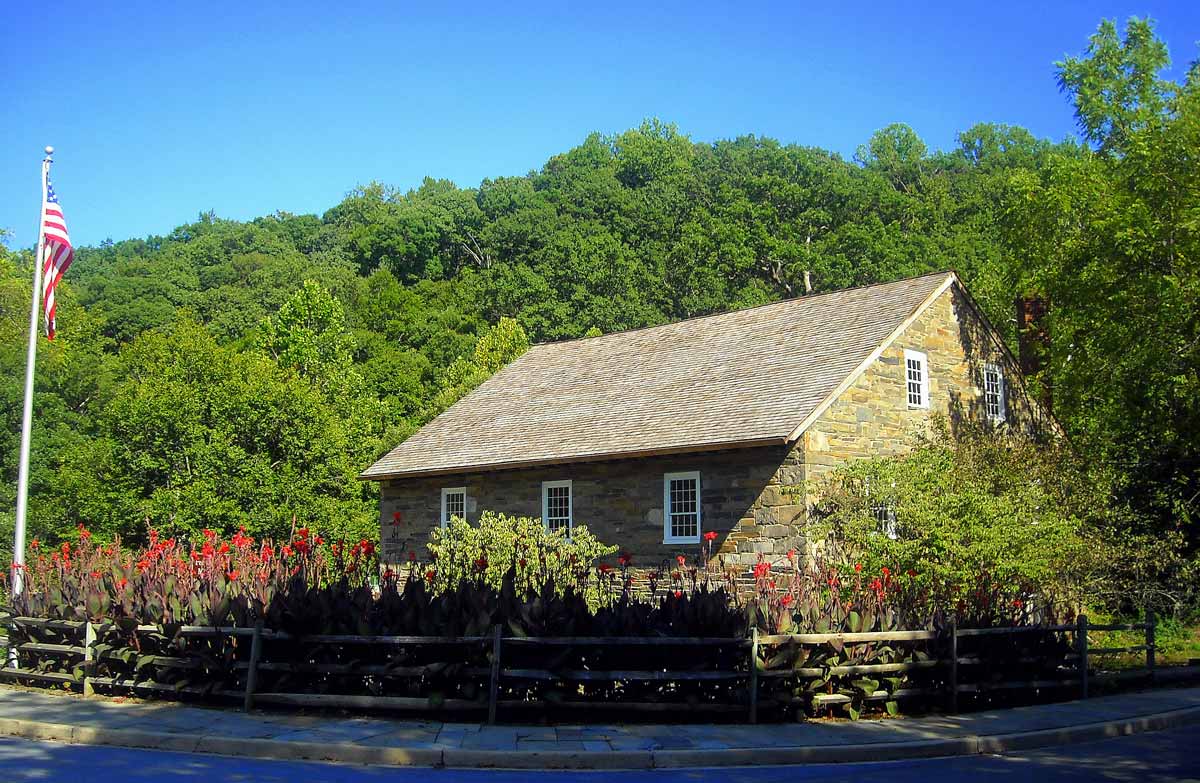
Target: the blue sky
(163, 110)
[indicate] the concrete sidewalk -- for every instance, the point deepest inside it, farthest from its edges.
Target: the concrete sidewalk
(56, 716)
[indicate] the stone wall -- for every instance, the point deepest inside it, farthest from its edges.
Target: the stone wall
(621, 502)
(873, 418)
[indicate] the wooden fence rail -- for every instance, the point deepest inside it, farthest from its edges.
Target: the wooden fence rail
(75, 663)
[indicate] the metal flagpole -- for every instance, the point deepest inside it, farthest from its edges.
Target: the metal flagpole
(18, 579)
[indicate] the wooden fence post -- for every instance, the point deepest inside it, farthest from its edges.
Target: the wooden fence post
(1150, 651)
(252, 668)
(954, 664)
(1081, 644)
(494, 683)
(754, 675)
(89, 657)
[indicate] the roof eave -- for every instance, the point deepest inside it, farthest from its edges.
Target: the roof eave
(775, 440)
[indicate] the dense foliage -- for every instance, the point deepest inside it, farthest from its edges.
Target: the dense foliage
(973, 517)
(240, 374)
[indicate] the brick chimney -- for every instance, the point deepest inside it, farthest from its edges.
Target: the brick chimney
(1033, 343)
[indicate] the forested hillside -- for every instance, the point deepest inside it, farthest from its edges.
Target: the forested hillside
(236, 373)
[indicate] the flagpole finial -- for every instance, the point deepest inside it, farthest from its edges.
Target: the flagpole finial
(49, 150)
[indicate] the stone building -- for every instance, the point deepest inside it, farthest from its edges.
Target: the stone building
(653, 437)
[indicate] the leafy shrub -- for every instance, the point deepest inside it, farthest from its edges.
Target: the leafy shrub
(983, 520)
(499, 543)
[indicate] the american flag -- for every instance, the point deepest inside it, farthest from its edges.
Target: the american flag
(58, 253)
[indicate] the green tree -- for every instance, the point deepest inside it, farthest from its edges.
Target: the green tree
(1117, 87)
(1111, 238)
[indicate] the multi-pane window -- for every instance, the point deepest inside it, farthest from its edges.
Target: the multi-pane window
(454, 504)
(993, 392)
(916, 379)
(885, 516)
(681, 507)
(556, 506)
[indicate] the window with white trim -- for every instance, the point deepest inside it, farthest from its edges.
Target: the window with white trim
(883, 511)
(885, 517)
(556, 506)
(994, 393)
(916, 379)
(681, 507)
(454, 503)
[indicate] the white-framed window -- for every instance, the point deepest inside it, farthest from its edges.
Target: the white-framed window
(994, 402)
(681, 507)
(885, 517)
(883, 511)
(556, 506)
(916, 379)
(454, 503)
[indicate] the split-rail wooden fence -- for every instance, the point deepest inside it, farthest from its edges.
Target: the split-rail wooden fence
(510, 669)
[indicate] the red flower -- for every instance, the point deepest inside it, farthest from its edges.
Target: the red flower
(761, 569)
(396, 517)
(604, 568)
(1017, 604)
(625, 558)
(84, 533)
(911, 572)
(208, 534)
(886, 572)
(412, 556)
(66, 548)
(285, 550)
(224, 548)
(481, 563)
(682, 560)
(679, 594)
(121, 583)
(521, 562)
(791, 554)
(786, 600)
(429, 575)
(710, 535)
(34, 543)
(233, 575)
(153, 536)
(95, 575)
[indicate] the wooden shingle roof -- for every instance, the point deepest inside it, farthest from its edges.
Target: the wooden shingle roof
(750, 377)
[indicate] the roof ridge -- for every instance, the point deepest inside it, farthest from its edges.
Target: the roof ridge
(790, 300)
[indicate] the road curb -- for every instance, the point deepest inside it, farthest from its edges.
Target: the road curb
(465, 758)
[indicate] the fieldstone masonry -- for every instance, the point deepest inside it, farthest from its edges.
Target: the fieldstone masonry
(745, 495)
(742, 495)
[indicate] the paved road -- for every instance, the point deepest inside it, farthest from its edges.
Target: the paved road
(1144, 758)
